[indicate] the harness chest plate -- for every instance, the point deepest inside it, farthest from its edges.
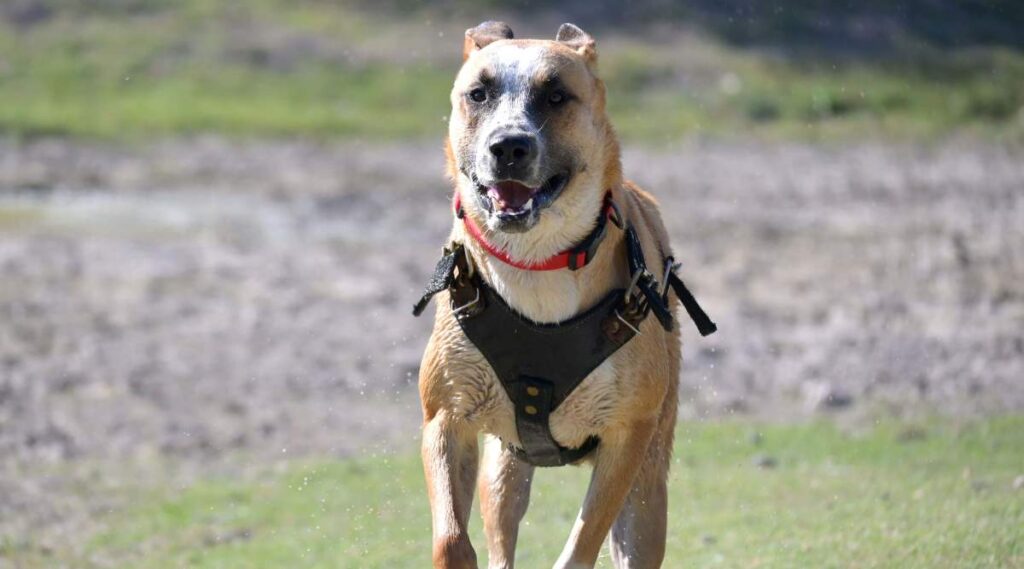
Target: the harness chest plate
(539, 365)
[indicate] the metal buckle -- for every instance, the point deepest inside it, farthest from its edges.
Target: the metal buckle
(461, 309)
(639, 274)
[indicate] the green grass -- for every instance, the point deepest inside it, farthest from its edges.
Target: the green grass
(142, 68)
(935, 496)
(189, 68)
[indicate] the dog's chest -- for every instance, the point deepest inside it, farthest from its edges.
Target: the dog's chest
(478, 395)
(549, 296)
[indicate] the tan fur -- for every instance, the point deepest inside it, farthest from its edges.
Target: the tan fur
(629, 401)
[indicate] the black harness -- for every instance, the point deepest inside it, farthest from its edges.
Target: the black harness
(539, 365)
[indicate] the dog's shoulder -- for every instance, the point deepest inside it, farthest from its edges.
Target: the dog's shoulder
(644, 213)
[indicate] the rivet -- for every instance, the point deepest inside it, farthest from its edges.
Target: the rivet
(530, 410)
(532, 391)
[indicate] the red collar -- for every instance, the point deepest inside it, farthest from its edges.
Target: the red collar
(574, 258)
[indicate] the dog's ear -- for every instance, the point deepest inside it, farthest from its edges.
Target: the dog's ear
(483, 35)
(572, 36)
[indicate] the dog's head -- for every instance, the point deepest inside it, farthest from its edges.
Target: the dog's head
(528, 131)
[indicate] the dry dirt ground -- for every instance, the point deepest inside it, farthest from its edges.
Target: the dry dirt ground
(190, 301)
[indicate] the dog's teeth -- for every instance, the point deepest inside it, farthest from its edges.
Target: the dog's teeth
(529, 205)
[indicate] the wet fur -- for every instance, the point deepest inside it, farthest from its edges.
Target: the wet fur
(629, 400)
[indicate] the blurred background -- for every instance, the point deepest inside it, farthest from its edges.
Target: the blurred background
(215, 215)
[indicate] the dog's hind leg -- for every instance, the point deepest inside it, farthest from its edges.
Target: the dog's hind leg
(616, 464)
(450, 464)
(638, 536)
(504, 485)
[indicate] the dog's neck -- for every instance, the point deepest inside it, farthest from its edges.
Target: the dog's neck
(556, 295)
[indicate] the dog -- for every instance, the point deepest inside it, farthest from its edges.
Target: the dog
(535, 162)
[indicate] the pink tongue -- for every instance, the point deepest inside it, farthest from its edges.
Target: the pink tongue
(510, 195)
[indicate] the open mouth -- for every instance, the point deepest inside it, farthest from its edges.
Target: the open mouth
(511, 199)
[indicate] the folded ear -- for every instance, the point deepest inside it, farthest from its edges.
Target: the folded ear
(481, 36)
(572, 36)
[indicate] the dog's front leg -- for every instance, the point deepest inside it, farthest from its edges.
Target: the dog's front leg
(504, 485)
(616, 464)
(450, 463)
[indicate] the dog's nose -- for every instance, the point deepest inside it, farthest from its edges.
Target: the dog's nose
(514, 149)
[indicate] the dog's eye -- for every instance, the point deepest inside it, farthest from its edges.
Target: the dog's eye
(557, 97)
(478, 95)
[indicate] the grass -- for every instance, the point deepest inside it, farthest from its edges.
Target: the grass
(935, 496)
(142, 68)
(188, 69)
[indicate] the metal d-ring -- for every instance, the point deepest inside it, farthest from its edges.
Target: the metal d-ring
(670, 266)
(632, 283)
(626, 322)
(468, 305)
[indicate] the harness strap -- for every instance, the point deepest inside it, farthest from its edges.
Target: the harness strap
(441, 279)
(644, 280)
(535, 397)
(704, 324)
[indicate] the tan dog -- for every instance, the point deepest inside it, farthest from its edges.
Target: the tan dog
(532, 155)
